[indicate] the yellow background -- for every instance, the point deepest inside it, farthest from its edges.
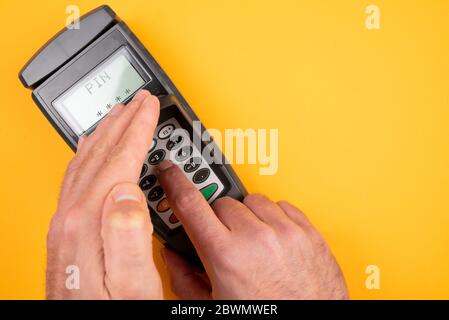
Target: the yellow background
(363, 120)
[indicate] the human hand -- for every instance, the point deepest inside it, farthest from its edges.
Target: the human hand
(257, 249)
(102, 225)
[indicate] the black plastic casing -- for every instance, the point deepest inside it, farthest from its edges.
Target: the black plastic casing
(72, 54)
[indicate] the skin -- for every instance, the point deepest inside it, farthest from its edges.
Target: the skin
(102, 224)
(257, 249)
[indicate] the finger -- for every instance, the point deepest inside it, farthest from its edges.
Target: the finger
(234, 214)
(82, 152)
(81, 141)
(125, 160)
(103, 128)
(267, 211)
(200, 222)
(88, 141)
(70, 173)
(127, 242)
(186, 283)
(97, 147)
(295, 215)
(127, 156)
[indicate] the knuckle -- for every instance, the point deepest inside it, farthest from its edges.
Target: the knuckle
(172, 173)
(291, 232)
(294, 236)
(254, 198)
(187, 201)
(141, 122)
(54, 229)
(223, 202)
(321, 246)
(99, 149)
(70, 224)
(116, 153)
(286, 203)
(73, 165)
(120, 153)
(55, 221)
(264, 234)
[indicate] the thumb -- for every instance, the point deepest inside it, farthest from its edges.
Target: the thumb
(186, 283)
(127, 243)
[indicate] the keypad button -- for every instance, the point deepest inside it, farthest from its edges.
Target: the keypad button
(147, 182)
(174, 142)
(155, 194)
(192, 164)
(173, 219)
(201, 175)
(166, 131)
(209, 190)
(163, 205)
(153, 145)
(183, 153)
(144, 170)
(156, 157)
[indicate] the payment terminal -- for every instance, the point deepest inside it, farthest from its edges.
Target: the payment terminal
(80, 74)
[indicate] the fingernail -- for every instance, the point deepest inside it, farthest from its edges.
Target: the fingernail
(140, 94)
(149, 101)
(164, 165)
(126, 192)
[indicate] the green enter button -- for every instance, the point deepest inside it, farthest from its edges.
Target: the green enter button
(209, 190)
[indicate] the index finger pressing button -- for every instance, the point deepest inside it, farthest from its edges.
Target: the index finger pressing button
(191, 208)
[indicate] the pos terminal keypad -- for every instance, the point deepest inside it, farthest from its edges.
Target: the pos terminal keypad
(171, 142)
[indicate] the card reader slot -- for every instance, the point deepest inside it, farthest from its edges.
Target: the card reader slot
(65, 45)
